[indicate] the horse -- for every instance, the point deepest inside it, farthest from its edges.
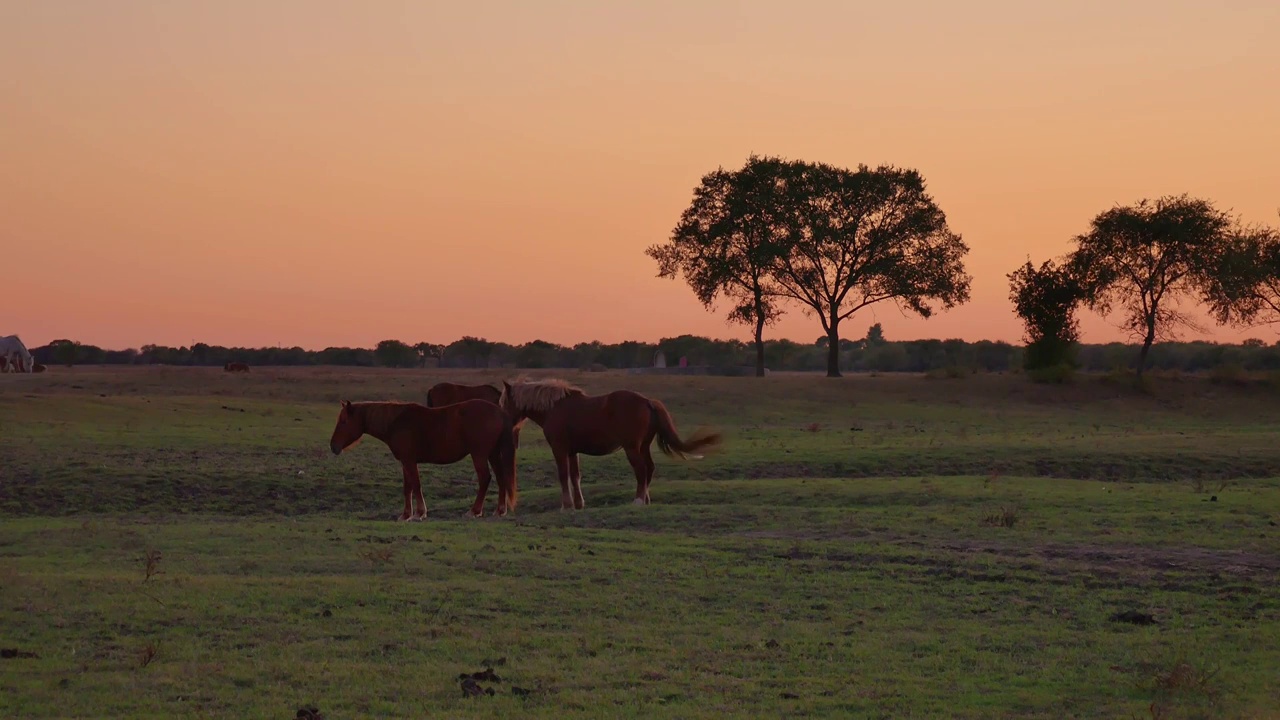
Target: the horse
(447, 393)
(574, 422)
(236, 367)
(440, 436)
(38, 368)
(12, 349)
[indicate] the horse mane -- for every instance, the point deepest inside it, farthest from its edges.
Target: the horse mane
(538, 395)
(379, 417)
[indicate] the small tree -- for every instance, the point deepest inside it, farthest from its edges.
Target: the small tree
(859, 238)
(66, 352)
(396, 354)
(1046, 299)
(729, 240)
(1145, 259)
(427, 351)
(1245, 285)
(875, 335)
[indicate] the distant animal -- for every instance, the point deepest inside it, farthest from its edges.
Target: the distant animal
(236, 367)
(15, 353)
(4, 363)
(38, 368)
(440, 436)
(447, 393)
(574, 422)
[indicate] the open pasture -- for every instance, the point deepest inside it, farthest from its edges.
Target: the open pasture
(180, 542)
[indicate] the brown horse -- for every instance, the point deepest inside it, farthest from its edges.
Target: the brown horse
(574, 422)
(440, 436)
(236, 367)
(447, 393)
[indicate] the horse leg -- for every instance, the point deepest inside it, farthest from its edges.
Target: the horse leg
(575, 479)
(420, 512)
(410, 483)
(482, 489)
(502, 489)
(642, 475)
(647, 456)
(562, 473)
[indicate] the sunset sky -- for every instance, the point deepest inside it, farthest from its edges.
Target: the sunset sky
(336, 173)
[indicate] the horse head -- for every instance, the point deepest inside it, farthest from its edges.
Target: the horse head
(349, 429)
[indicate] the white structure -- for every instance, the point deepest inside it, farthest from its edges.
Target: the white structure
(659, 359)
(12, 349)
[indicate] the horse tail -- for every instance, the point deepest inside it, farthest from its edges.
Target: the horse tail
(507, 460)
(669, 441)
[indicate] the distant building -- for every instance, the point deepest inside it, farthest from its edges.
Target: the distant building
(659, 359)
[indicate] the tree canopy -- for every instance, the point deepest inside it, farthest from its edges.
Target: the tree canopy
(729, 240)
(1145, 260)
(861, 237)
(831, 239)
(1046, 298)
(1245, 287)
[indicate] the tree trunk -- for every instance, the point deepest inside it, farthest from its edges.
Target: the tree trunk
(1146, 343)
(833, 350)
(1146, 348)
(759, 345)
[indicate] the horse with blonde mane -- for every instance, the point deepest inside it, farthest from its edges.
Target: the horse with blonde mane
(17, 358)
(576, 423)
(447, 393)
(439, 436)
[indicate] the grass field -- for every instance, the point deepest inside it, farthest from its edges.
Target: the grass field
(179, 542)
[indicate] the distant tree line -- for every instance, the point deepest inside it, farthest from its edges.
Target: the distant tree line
(833, 241)
(874, 353)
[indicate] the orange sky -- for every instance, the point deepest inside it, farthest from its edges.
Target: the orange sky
(336, 173)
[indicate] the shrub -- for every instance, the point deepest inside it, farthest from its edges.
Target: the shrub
(1060, 374)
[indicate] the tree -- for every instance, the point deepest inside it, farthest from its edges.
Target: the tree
(875, 335)
(396, 354)
(65, 351)
(859, 238)
(1147, 258)
(1245, 285)
(729, 240)
(428, 350)
(1046, 299)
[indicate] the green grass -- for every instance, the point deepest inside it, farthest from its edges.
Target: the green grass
(808, 570)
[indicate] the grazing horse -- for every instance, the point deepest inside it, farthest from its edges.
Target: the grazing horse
(236, 367)
(574, 422)
(15, 353)
(447, 393)
(440, 436)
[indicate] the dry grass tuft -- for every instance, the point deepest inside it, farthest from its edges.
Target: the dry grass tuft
(1004, 517)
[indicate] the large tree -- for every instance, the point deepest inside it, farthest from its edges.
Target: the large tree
(1046, 298)
(1145, 260)
(728, 242)
(859, 238)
